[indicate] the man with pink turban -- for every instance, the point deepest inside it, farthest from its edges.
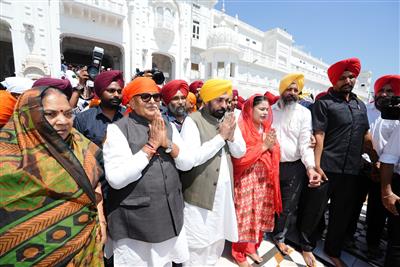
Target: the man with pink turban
(174, 95)
(340, 126)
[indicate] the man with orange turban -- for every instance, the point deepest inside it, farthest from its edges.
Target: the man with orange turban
(142, 155)
(340, 126)
(191, 101)
(174, 95)
(7, 106)
(210, 217)
(381, 130)
(293, 126)
(195, 87)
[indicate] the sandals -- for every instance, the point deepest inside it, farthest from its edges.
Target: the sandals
(283, 248)
(256, 258)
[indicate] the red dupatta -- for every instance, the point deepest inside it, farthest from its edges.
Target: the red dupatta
(254, 152)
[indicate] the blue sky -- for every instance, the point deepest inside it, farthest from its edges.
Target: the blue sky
(332, 30)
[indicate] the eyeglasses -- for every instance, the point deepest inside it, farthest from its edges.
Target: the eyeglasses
(112, 91)
(146, 97)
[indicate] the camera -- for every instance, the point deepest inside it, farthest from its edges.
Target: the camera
(94, 68)
(390, 107)
(156, 75)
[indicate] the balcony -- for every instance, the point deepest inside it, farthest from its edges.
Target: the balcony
(107, 7)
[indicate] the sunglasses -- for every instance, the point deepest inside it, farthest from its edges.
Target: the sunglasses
(146, 97)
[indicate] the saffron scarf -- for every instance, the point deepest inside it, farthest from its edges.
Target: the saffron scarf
(254, 152)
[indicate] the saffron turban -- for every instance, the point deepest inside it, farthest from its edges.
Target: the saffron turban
(393, 80)
(138, 86)
(215, 88)
(336, 70)
(17, 85)
(235, 92)
(192, 99)
(170, 89)
(271, 98)
(194, 85)
(104, 79)
(62, 84)
(7, 106)
(297, 78)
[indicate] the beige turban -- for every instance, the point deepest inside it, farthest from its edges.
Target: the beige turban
(297, 78)
(214, 88)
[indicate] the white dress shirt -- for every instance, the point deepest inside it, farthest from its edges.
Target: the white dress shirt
(122, 168)
(391, 152)
(293, 130)
(205, 227)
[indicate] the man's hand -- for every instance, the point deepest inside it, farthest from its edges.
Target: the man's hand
(314, 178)
(322, 173)
(227, 127)
(389, 202)
(158, 132)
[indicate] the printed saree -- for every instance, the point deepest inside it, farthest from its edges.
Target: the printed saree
(48, 214)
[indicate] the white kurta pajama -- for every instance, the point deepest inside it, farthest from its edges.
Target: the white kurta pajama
(123, 168)
(207, 230)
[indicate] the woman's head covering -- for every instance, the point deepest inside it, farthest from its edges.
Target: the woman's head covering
(214, 88)
(297, 78)
(240, 103)
(7, 101)
(104, 79)
(254, 152)
(62, 84)
(17, 85)
(194, 85)
(336, 70)
(139, 86)
(393, 80)
(192, 99)
(170, 89)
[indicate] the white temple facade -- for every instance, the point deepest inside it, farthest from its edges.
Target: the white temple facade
(186, 39)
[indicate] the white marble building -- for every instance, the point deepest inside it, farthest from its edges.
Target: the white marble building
(186, 39)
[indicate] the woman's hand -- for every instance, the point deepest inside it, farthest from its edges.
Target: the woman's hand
(269, 140)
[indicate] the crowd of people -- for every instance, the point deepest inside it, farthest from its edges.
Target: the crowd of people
(108, 173)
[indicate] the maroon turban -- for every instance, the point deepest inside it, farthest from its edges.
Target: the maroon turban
(337, 69)
(104, 79)
(240, 103)
(393, 80)
(62, 84)
(170, 89)
(194, 85)
(235, 93)
(271, 98)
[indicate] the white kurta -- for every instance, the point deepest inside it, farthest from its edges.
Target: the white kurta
(123, 168)
(205, 227)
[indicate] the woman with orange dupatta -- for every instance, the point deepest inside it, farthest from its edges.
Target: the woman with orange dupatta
(256, 180)
(50, 202)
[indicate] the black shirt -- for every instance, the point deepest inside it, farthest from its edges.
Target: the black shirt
(92, 123)
(344, 124)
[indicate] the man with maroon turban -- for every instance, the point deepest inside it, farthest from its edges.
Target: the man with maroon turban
(93, 122)
(195, 87)
(340, 127)
(174, 95)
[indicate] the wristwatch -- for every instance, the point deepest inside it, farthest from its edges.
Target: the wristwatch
(169, 147)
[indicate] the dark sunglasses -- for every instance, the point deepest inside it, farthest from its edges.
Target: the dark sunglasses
(146, 97)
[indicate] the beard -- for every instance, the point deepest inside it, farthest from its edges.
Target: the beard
(113, 103)
(177, 111)
(289, 99)
(218, 113)
(346, 89)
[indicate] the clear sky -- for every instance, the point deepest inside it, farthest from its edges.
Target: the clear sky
(332, 30)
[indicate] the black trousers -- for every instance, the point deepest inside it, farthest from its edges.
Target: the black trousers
(292, 177)
(393, 248)
(376, 215)
(341, 190)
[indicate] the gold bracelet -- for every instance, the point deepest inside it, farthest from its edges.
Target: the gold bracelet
(384, 197)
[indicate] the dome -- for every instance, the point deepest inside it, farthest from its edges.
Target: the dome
(222, 35)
